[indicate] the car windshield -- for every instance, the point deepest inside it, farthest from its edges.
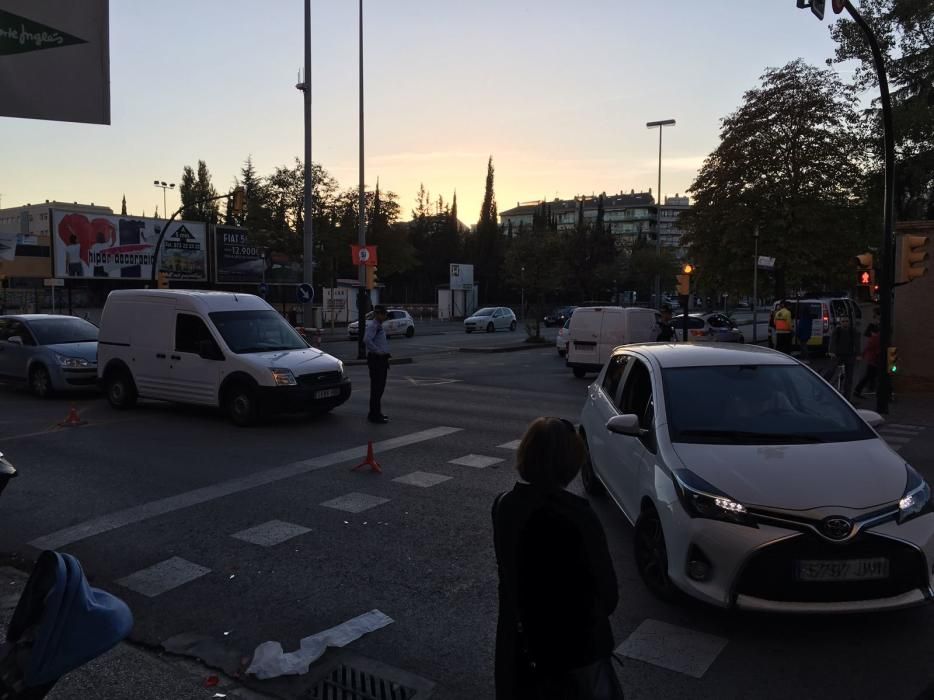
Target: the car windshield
(485, 312)
(256, 331)
(67, 329)
(756, 404)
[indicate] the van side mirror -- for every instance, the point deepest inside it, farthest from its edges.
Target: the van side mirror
(15, 339)
(209, 351)
(626, 424)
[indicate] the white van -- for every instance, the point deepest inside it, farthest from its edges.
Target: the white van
(596, 331)
(214, 349)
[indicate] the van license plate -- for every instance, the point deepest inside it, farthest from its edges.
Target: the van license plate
(843, 569)
(327, 393)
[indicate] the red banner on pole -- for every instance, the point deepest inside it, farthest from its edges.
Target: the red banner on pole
(364, 255)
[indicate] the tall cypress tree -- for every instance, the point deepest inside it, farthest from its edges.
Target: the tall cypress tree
(488, 256)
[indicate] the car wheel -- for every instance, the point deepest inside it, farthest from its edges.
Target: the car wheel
(40, 382)
(490, 327)
(410, 331)
(651, 555)
(579, 372)
(592, 485)
(121, 391)
(240, 404)
(512, 326)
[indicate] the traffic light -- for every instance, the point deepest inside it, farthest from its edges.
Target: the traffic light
(371, 279)
(238, 202)
(866, 278)
(891, 360)
(684, 279)
(913, 262)
(864, 261)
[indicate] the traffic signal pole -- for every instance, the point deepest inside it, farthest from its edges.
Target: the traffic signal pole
(361, 234)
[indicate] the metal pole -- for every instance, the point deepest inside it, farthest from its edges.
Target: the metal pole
(884, 385)
(165, 207)
(361, 235)
(308, 233)
(658, 222)
(755, 284)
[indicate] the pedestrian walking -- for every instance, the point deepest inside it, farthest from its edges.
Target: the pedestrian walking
(872, 356)
(664, 332)
(783, 328)
(844, 346)
(377, 361)
(557, 587)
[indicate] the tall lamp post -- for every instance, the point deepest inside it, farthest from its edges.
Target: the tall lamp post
(658, 209)
(361, 234)
(308, 237)
(165, 186)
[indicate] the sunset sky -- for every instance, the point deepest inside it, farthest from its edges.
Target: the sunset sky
(557, 92)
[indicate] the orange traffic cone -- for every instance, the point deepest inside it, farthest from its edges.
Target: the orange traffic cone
(73, 420)
(370, 460)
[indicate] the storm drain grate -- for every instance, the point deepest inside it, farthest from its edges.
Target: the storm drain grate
(345, 682)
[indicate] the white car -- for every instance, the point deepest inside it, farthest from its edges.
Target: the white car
(398, 322)
(564, 334)
(752, 484)
(490, 319)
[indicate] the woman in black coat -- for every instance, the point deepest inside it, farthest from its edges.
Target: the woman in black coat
(557, 586)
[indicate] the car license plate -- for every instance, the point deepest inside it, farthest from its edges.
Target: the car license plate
(843, 569)
(327, 393)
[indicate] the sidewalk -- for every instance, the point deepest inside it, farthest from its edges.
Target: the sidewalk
(127, 671)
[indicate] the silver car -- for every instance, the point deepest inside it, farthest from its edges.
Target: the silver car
(490, 319)
(49, 353)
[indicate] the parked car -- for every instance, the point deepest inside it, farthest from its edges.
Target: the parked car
(559, 316)
(490, 319)
(709, 328)
(752, 484)
(596, 330)
(233, 351)
(398, 322)
(48, 352)
(562, 340)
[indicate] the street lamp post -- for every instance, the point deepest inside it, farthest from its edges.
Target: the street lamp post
(361, 234)
(755, 283)
(658, 208)
(165, 186)
(522, 303)
(308, 232)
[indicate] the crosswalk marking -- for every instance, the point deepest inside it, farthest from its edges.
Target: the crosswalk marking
(355, 502)
(476, 461)
(270, 534)
(164, 576)
(676, 648)
(514, 445)
(422, 479)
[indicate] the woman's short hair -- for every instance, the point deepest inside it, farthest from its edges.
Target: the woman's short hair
(550, 454)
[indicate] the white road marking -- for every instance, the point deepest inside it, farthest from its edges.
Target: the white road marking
(675, 648)
(164, 576)
(270, 534)
(476, 461)
(422, 479)
(355, 502)
(514, 445)
(145, 511)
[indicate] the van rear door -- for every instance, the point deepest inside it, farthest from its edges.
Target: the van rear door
(584, 335)
(151, 335)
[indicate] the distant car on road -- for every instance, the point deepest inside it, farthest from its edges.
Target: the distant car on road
(490, 319)
(709, 328)
(48, 352)
(398, 322)
(563, 336)
(752, 484)
(559, 316)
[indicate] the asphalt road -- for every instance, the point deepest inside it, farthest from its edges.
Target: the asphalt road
(158, 484)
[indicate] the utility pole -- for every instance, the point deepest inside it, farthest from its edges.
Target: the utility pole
(658, 207)
(361, 235)
(755, 283)
(308, 232)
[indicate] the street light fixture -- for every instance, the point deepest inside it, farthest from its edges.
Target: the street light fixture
(658, 208)
(165, 186)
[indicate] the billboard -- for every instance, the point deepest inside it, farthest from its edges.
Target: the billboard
(461, 276)
(238, 260)
(55, 60)
(121, 247)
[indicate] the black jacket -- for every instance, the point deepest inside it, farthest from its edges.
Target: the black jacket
(844, 342)
(556, 578)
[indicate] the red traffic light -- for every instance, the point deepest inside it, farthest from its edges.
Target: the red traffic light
(865, 277)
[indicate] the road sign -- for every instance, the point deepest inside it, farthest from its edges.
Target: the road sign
(53, 282)
(305, 293)
(263, 289)
(765, 262)
(363, 255)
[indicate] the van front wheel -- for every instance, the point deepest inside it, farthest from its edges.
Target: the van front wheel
(121, 391)
(240, 404)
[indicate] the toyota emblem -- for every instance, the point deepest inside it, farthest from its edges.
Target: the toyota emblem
(837, 528)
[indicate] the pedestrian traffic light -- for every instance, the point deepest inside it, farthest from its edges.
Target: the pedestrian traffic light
(371, 279)
(864, 261)
(891, 360)
(238, 201)
(866, 278)
(913, 262)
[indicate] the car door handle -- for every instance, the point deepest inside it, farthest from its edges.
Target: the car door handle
(160, 355)
(176, 357)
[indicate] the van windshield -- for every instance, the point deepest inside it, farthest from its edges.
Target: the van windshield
(256, 331)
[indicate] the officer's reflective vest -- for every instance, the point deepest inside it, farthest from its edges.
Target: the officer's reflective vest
(783, 321)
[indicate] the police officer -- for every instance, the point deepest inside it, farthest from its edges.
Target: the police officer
(377, 360)
(665, 333)
(783, 328)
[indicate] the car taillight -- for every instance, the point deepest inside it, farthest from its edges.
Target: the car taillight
(826, 323)
(696, 333)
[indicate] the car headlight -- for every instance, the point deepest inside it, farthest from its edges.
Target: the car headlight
(701, 500)
(283, 377)
(917, 498)
(72, 362)
(340, 368)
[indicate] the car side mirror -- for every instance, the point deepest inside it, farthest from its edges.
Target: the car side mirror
(15, 339)
(626, 424)
(208, 350)
(871, 417)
